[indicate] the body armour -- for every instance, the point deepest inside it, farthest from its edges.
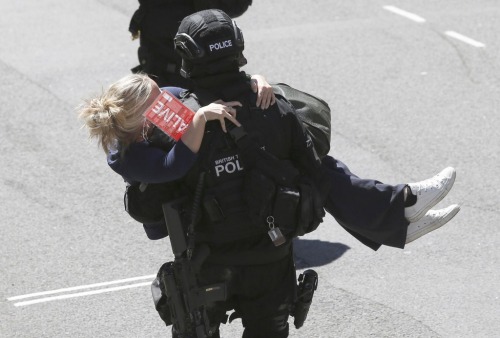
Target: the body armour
(244, 194)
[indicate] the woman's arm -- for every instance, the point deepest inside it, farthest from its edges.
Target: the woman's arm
(260, 86)
(219, 110)
(146, 163)
(265, 94)
(143, 162)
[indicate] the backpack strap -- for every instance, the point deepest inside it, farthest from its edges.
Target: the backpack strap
(281, 172)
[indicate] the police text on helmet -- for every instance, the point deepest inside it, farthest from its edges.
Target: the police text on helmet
(220, 45)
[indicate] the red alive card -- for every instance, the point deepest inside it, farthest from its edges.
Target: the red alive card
(170, 115)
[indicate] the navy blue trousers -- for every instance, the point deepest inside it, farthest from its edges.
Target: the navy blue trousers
(371, 211)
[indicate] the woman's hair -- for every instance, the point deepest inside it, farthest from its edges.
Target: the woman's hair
(116, 116)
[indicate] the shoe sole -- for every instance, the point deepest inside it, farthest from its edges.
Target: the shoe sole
(433, 202)
(419, 233)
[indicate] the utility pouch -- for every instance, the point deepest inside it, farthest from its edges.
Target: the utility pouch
(160, 301)
(143, 201)
(285, 205)
(311, 210)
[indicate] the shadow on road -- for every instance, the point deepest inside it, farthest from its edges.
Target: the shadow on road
(309, 253)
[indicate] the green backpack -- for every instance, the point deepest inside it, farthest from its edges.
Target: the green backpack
(314, 113)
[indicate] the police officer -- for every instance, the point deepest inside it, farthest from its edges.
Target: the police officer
(253, 181)
(251, 251)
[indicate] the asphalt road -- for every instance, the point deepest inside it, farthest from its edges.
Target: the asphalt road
(411, 92)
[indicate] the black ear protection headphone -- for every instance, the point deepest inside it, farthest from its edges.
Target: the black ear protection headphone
(238, 36)
(187, 47)
(190, 50)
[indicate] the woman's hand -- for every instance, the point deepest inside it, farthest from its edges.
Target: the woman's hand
(220, 110)
(265, 94)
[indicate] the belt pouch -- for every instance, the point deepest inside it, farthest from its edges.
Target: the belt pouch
(285, 208)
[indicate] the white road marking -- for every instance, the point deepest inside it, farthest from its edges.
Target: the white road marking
(81, 287)
(80, 294)
(465, 39)
(404, 13)
(419, 19)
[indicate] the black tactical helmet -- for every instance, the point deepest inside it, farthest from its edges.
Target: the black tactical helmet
(209, 42)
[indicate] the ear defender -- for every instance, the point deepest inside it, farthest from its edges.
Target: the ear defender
(238, 36)
(240, 42)
(187, 47)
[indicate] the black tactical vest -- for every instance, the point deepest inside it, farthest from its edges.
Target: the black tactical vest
(225, 211)
(242, 188)
(246, 194)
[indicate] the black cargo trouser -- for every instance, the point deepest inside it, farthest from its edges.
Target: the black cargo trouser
(262, 295)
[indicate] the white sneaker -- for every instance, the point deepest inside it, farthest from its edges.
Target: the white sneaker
(432, 220)
(429, 193)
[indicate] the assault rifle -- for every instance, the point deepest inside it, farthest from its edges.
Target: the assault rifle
(186, 299)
